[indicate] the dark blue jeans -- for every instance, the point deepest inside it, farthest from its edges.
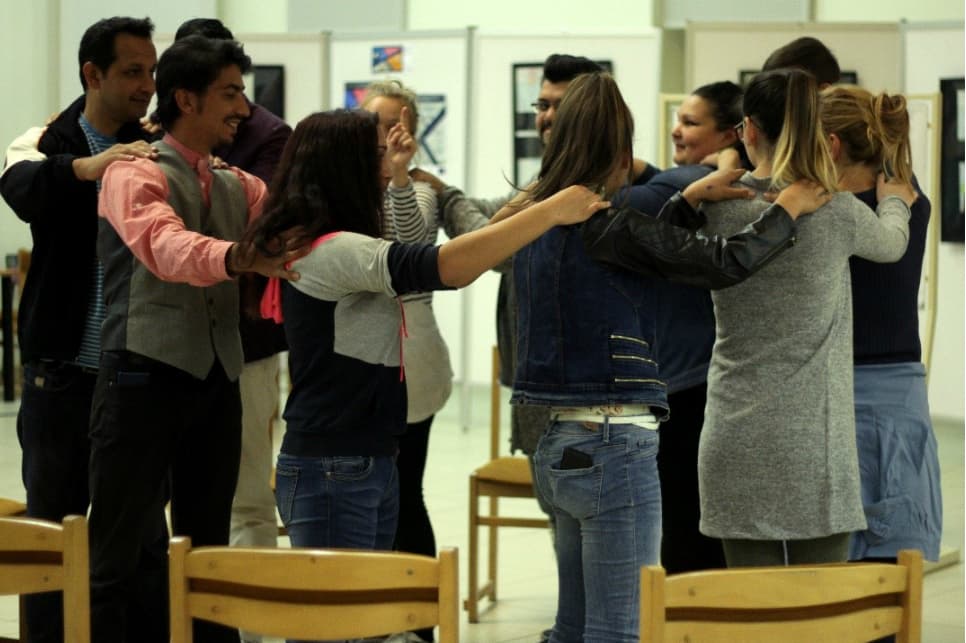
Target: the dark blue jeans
(52, 426)
(338, 501)
(608, 524)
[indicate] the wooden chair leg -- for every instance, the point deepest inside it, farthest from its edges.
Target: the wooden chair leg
(472, 600)
(491, 563)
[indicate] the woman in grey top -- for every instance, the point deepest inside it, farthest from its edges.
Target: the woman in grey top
(777, 463)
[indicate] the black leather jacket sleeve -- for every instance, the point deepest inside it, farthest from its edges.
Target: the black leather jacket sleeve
(668, 246)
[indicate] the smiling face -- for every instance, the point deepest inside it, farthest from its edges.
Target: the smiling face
(696, 134)
(223, 107)
(549, 98)
(125, 89)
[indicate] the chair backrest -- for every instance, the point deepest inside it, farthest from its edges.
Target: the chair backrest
(312, 593)
(41, 556)
(799, 603)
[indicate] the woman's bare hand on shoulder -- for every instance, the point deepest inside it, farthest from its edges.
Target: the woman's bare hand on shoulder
(717, 186)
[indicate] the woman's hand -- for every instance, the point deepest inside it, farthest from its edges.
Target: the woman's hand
(717, 187)
(802, 197)
(575, 204)
(885, 187)
(401, 147)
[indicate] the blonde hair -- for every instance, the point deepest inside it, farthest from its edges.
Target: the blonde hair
(396, 90)
(873, 129)
(593, 131)
(783, 105)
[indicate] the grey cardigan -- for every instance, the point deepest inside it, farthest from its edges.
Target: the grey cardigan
(777, 458)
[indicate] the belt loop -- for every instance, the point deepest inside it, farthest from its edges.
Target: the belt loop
(606, 429)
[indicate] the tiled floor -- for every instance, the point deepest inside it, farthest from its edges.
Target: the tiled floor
(527, 586)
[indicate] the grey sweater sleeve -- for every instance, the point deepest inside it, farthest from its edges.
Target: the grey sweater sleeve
(881, 236)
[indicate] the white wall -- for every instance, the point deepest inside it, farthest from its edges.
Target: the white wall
(535, 15)
(888, 10)
(30, 88)
(933, 53)
(254, 16)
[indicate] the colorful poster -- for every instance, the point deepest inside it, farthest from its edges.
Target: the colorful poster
(355, 93)
(432, 133)
(387, 59)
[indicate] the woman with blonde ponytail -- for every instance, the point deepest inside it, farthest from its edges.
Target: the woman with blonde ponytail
(869, 134)
(777, 464)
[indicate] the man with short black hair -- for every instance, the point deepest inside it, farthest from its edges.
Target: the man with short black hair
(166, 405)
(61, 307)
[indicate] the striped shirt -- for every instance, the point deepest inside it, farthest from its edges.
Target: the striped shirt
(411, 218)
(89, 354)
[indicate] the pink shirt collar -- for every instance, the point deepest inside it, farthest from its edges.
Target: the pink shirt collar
(193, 158)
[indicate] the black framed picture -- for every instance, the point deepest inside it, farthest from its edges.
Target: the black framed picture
(951, 164)
(527, 146)
(268, 87)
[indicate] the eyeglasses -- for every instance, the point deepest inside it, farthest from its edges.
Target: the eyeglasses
(739, 128)
(543, 105)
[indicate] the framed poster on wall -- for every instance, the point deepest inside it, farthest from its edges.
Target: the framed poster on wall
(952, 179)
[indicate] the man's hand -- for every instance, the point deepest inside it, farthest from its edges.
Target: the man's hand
(886, 187)
(717, 187)
(244, 257)
(92, 168)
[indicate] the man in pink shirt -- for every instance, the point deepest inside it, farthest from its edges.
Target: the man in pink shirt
(167, 413)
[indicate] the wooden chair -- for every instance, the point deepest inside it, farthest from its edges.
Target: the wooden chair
(501, 477)
(843, 602)
(10, 508)
(41, 556)
(312, 593)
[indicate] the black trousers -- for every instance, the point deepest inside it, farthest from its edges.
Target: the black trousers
(683, 547)
(52, 427)
(156, 432)
(414, 532)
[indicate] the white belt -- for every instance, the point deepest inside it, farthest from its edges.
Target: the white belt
(639, 415)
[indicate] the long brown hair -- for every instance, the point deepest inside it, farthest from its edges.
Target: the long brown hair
(592, 133)
(874, 129)
(326, 181)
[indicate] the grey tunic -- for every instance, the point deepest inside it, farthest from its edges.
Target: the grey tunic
(777, 458)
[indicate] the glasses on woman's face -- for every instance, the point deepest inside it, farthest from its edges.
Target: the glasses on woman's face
(739, 128)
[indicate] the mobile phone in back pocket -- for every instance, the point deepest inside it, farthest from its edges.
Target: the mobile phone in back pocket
(575, 459)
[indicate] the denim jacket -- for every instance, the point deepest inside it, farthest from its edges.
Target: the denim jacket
(585, 331)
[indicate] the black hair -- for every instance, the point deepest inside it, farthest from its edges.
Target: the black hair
(724, 99)
(207, 27)
(97, 43)
(193, 63)
(809, 54)
(563, 68)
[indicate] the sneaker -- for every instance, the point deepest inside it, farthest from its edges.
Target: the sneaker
(545, 636)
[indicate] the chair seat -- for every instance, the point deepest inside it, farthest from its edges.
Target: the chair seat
(10, 507)
(511, 469)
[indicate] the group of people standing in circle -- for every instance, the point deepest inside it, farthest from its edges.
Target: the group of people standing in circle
(728, 421)
(717, 364)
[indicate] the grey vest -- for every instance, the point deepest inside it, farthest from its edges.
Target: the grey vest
(181, 325)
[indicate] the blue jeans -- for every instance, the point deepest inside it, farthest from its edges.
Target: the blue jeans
(338, 501)
(608, 524)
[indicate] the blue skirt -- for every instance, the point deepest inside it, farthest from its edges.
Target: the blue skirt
(898, 462)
